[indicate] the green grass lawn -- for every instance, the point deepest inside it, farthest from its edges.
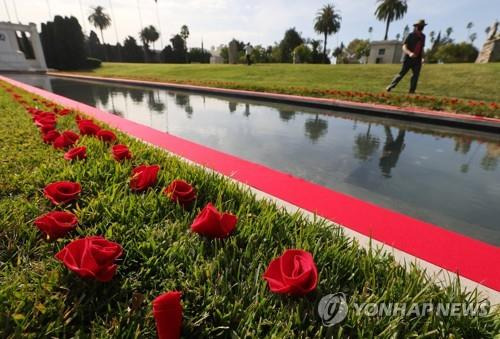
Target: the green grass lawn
(478, 82)
(224, 294)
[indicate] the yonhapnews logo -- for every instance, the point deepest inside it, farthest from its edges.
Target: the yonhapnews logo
(333, 308)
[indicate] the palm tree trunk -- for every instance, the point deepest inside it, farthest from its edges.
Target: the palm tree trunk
(324, 48)
(104, 47)
(387, 29)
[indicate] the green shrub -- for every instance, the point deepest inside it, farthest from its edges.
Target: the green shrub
(455, 53)
(92, 63)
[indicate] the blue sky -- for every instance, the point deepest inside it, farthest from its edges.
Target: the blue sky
(259, 21)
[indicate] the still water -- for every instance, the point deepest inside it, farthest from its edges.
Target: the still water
(447, 176)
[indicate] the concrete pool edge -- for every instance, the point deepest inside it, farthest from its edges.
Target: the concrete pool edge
(421, 240)
(404, 113)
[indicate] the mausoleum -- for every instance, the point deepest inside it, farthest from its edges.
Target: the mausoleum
(21, 48)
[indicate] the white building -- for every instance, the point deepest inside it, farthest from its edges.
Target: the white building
(20, 48)
(386, 52)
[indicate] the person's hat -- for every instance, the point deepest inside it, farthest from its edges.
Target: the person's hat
(421, 23)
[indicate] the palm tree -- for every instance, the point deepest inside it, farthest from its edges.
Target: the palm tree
(149, 34)
(469, 26)
(184, 34)
(370, 31)
(389, 11)
(100, 19)
(327, 22)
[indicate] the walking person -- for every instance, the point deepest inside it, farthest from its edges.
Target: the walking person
(413, 49)
(248, 53)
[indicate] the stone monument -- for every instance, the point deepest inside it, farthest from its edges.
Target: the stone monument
(491, 48)
(20, 48)
(233, 56)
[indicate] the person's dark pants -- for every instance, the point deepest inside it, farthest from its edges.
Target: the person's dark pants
(249, 61)
(415, 64)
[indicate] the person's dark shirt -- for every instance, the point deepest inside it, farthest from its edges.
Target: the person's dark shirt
(413, 42)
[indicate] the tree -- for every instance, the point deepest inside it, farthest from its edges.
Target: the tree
(131, 51)
(389, 11)
(359, 48)
(432, 34)
(291, 40)
(472, 37)
(487, 30)
(302, 54)
(100, 19)
(406, 31)
(63, 43)
(449, 31)
(327, 22)
(149, 35)
(398, 36)
(315, 54)
(337, 53)
(370, 31)
(93, 45)
(457, 53)
(469, 27)
(184, 34)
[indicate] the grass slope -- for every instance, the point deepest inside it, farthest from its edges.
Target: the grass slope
(223, 292)
(463, 81)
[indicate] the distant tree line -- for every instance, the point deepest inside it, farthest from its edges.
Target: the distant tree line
(66, 47)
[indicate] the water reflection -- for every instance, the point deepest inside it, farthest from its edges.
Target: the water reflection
(392, 151)
(286, 114)
(316, 128)
(365, 144)
(447, 176)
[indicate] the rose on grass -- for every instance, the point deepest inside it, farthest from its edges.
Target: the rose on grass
(91, 257)
(121, 152)
(106, 136)
(211, 223)
(50, 136)
(294, 273)
(167, 310)
(64, 111)
(47, 128)
(65, 140)
(56, 224)
(143, 177)
(62, 192)
(181, 192)
(76, 153)
(87, 127)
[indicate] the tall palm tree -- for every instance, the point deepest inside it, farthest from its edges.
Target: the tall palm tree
(389, 11)
(327, 22)
(149, 34)
(100, 19)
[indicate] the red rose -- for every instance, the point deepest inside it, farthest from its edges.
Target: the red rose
(62, 192)
(87, 127)
(50, 136)
(56, 224)
(121, 152)
(47, 128)
(143, 177)
(76, 153)
(41, 120)
(167, 310)
(181, 192)
(66, 139)
(106, 136)
(212, 223)
(293, 273)
(91, 257)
